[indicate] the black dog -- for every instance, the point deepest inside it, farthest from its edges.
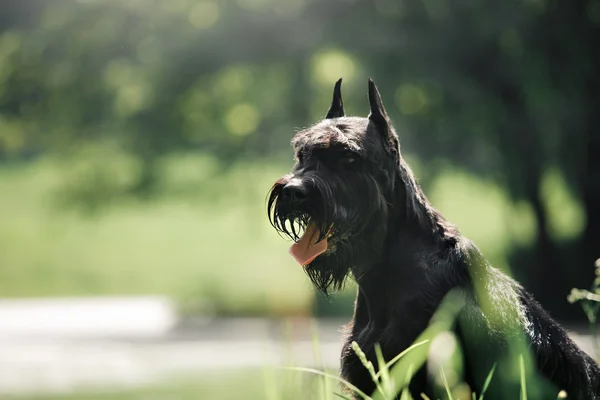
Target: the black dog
(363, 213)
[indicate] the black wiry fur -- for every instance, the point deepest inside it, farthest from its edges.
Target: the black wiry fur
(406, 257)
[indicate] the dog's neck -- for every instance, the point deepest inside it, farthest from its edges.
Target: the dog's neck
(414, 228)
(412, 209)
(411, 225)
(394, 282)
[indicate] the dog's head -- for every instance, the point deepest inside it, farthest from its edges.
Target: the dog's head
(335, 203)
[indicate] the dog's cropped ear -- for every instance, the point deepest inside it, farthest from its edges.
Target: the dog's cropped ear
(378, 113)
(337, 105)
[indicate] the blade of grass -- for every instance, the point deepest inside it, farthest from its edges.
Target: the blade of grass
(341, 396)
(403, 370)
(405, 395)
(424, 396)
(523, 383)
(445, 380)
(405, 392)
(369, 366)
(442, 320)
(403, 353)
(318, 359)
(383, 373)
(488, 379)
(334, 377)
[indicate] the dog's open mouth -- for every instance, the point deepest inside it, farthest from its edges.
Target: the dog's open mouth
(308, 247)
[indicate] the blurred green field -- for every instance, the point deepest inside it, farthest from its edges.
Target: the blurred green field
(242, 384)
(205, 240)
(212, 248)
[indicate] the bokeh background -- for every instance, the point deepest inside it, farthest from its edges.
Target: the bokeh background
(138, 140)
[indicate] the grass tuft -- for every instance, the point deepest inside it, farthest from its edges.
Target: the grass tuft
(487, 382)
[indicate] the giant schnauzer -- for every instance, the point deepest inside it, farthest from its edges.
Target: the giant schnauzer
(352, 206)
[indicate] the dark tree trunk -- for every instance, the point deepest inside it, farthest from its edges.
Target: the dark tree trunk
(591, 190)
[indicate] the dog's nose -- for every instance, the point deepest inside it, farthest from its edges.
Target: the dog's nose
(294, 191)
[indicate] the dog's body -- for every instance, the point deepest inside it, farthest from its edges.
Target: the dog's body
(364, 214)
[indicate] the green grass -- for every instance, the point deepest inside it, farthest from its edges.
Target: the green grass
(204, 241)
(391, 377)
(212, 249)
(268, 384)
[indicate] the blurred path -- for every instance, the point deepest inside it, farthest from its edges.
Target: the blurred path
(66, 344)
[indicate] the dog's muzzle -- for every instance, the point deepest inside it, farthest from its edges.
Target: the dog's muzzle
(311, 237)
(294, 192)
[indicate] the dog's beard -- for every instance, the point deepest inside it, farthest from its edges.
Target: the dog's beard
(329, 270)
(344, 227)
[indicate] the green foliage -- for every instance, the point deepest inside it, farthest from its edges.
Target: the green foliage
(393, 377)
(486, 384)
(147, 80)
(390, 377)
(590, 303)
(590, 299)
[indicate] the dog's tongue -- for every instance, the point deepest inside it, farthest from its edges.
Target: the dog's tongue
(306, 249)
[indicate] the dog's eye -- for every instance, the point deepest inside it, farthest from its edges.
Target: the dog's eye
(348, 159)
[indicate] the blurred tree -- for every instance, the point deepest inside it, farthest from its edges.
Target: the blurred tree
(510, 90)
(507, 89)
